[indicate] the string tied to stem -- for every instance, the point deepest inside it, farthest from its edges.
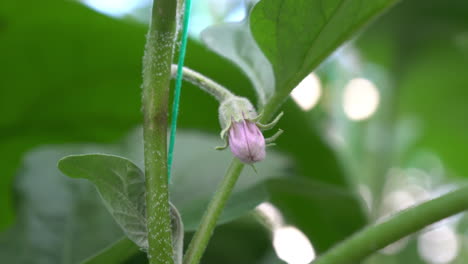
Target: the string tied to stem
(178, 87)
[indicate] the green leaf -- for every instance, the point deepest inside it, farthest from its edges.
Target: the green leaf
(297, 35)
(121, 185)
(235, 42)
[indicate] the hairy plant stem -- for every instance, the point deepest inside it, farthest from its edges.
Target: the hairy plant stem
(208, 223)
(157, 62)
(373, 238)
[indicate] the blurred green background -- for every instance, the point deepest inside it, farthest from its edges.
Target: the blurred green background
(381, 125)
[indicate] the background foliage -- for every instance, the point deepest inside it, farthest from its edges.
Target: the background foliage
(72, 75)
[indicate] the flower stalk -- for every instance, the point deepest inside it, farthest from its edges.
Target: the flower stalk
(215, 208)
(219, 92)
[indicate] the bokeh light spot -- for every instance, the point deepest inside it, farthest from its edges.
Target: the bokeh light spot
(115, 8)
(307, 93)
(361, 99)
(439, 245)
(292, 246)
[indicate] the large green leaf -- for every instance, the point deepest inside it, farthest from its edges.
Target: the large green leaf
(121, 185)
(297, 35)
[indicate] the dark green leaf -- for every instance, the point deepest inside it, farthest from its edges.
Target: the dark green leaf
(297, 35)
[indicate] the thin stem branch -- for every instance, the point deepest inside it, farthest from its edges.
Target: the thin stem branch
(157, 61)
(206, 84)
(373, 238)
(205, 230)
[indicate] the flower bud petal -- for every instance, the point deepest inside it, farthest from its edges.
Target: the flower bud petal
(246, 141)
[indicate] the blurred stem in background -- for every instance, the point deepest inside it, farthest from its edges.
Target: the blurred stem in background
(156, 80)
(373, 238)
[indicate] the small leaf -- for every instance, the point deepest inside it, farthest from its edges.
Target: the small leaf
(235, 42)
(121, 185)
(297, 35)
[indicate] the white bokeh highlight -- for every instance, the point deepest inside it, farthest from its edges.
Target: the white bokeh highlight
(308, 92)
(439, 245)
(292, 246)
(115, 8)
(360, 99)
(271, 214)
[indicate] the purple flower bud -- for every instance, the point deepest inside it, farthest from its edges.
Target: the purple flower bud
(246, 141)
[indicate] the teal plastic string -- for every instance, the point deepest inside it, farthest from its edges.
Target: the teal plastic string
(178, 87)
